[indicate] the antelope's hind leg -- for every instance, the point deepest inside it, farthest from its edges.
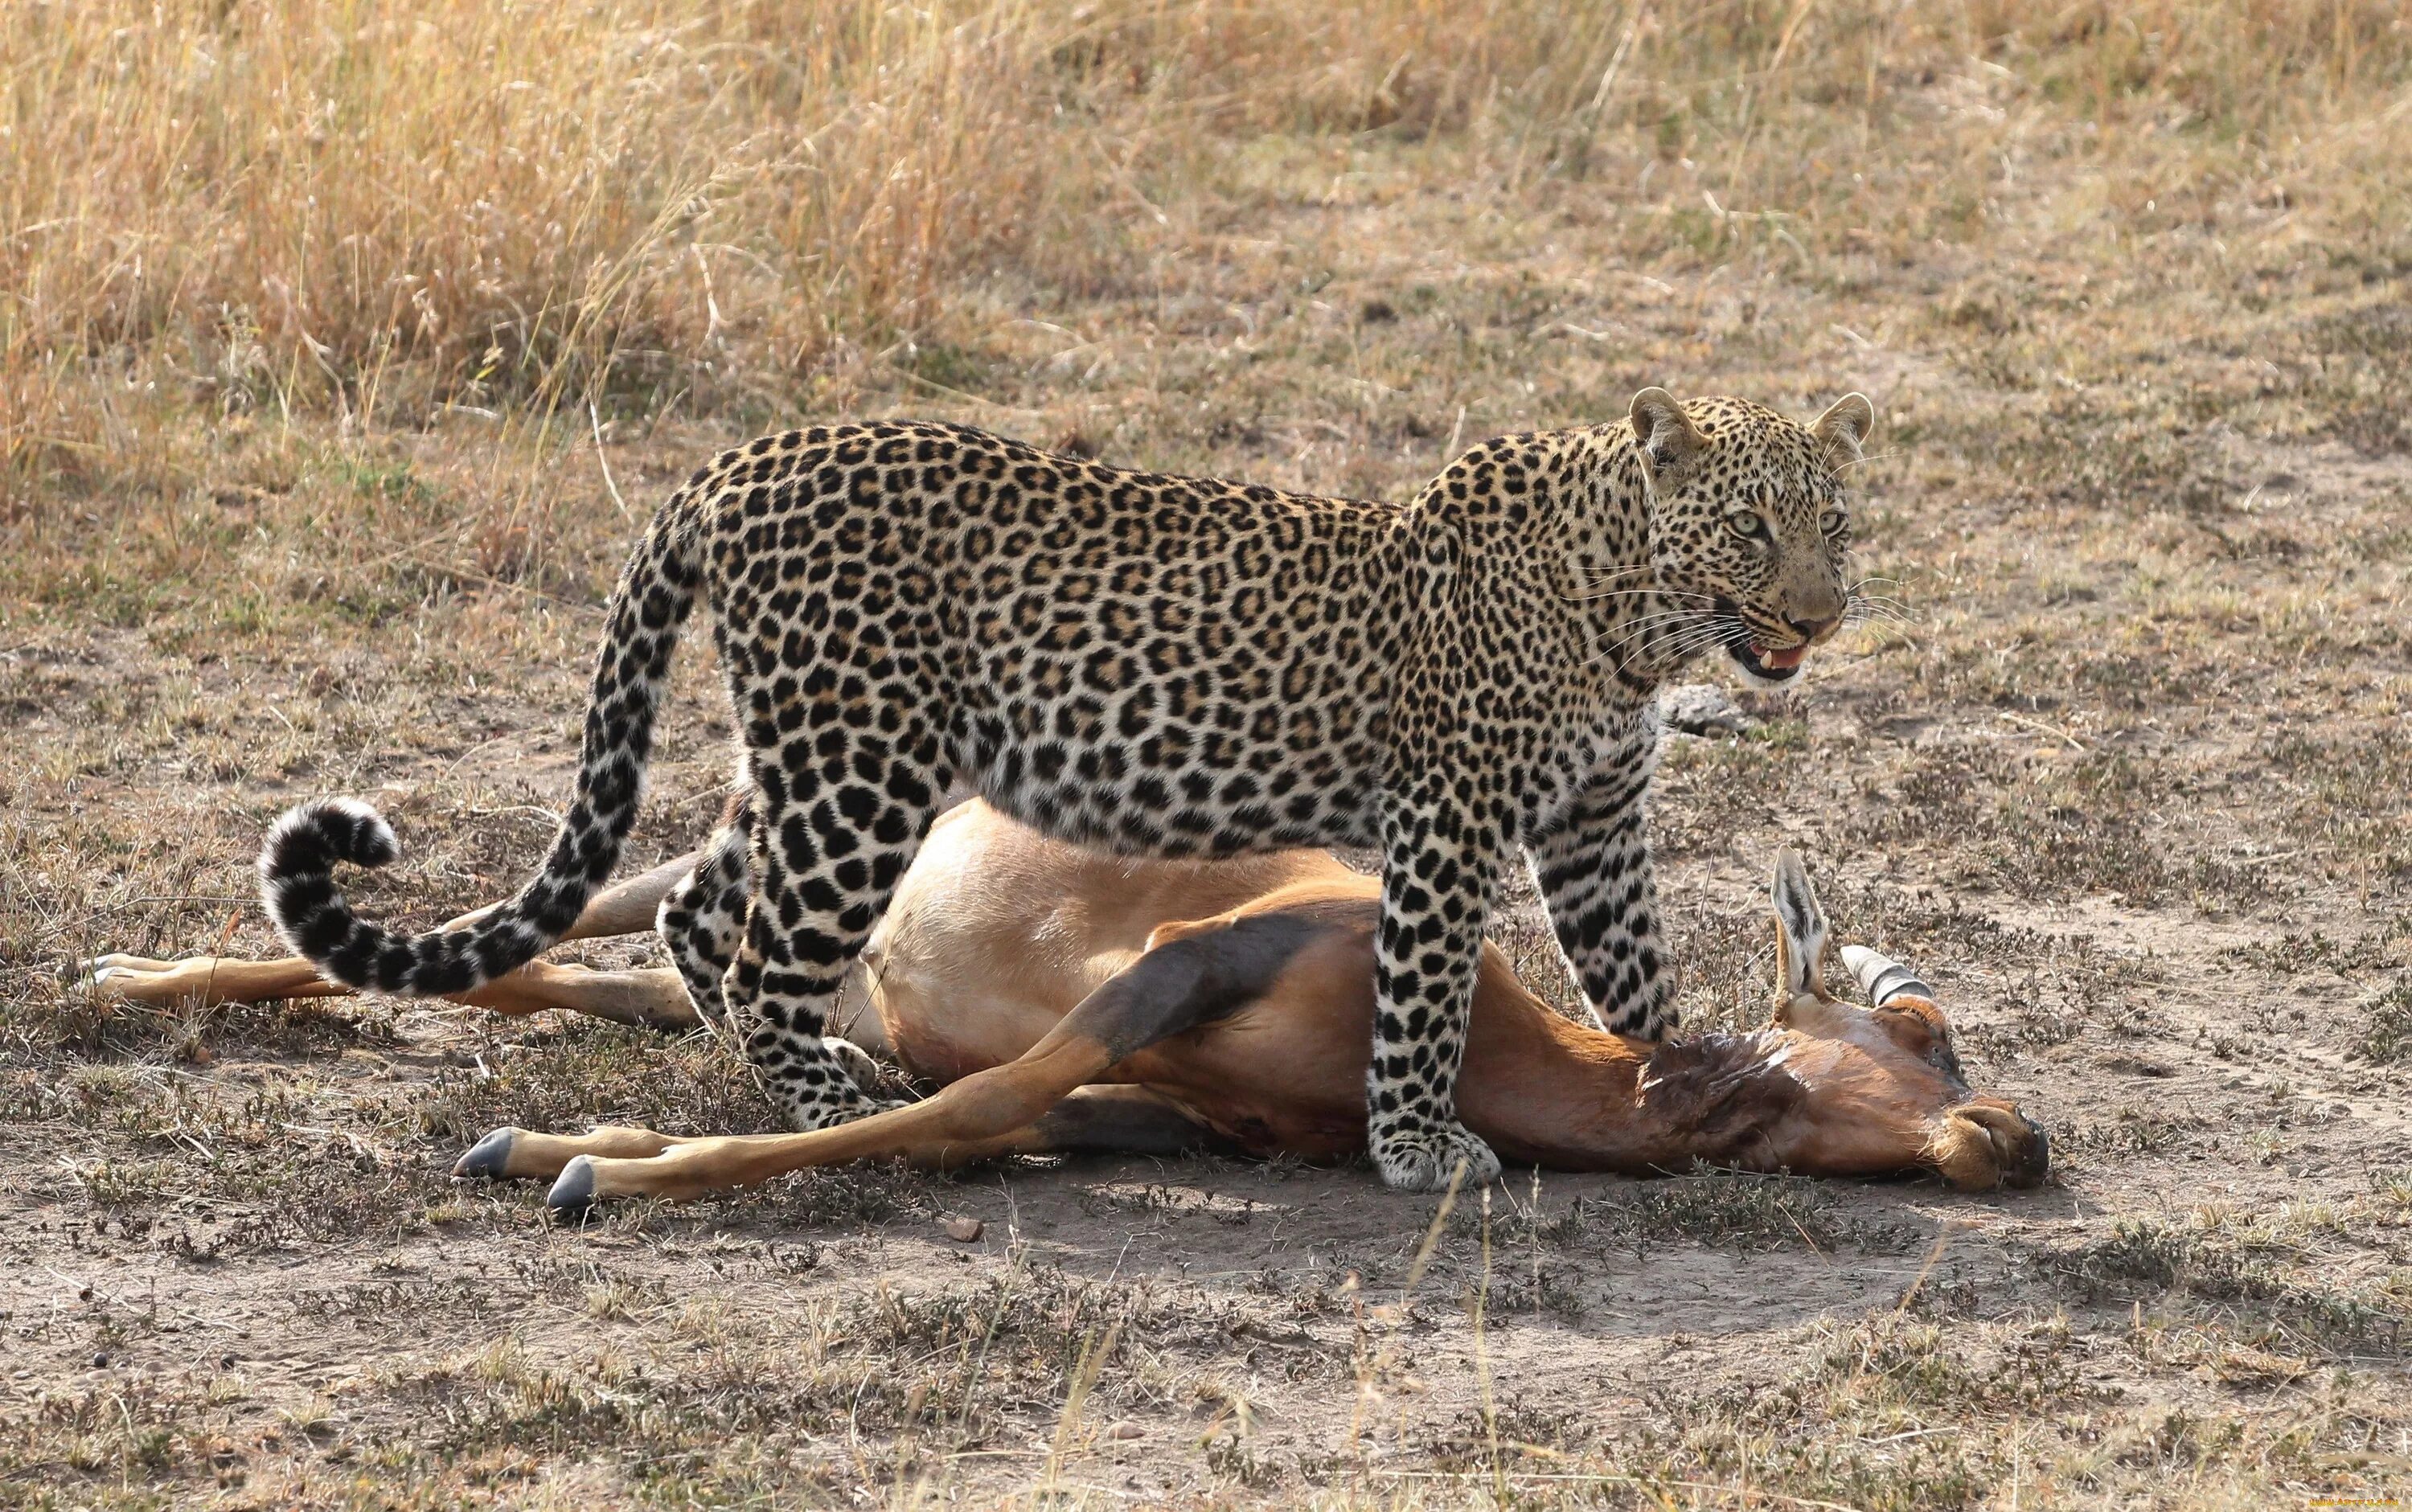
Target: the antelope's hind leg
(208, 980)
(626, 997)
(1019, 1107)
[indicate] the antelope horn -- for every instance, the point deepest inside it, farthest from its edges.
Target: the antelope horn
(1882, 977)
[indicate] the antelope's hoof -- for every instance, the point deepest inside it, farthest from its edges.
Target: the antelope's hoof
(121, 976)
(489, 1157)
(573, 1190)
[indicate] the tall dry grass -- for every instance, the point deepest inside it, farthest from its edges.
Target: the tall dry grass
(375, 209)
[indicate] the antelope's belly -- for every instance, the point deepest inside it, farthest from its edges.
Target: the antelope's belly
(944, 1031)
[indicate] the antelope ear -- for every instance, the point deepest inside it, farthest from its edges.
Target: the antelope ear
(1845, 426)
(1667, 438)
(1182, 928)
(1799, 928)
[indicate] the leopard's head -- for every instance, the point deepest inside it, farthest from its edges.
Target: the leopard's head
(1750, 527)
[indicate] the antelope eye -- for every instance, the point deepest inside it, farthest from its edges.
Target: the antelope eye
(1907, 1029)
(1746, 524)
(1906, 1021)
(1833, 521)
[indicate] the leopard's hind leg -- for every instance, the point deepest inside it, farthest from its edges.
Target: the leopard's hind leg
(837, 813)
(703, 917)
(702, 923)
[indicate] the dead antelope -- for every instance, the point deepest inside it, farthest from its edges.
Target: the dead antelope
(1071, 1001)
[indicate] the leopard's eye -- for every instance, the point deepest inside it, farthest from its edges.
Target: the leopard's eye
(1746, 524)
(1833, 521)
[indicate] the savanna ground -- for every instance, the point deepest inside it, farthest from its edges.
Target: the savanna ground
(332, 336)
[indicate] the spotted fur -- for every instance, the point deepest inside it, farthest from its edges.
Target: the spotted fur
(1168, 666)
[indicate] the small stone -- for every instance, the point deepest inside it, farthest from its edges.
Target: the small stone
(1702, 709)
(1126, 1428)
(100, 1361)
(965, 1230)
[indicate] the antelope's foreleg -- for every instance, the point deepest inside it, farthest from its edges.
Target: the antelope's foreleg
(1003, 1109)
(517, 1154)
(622, 908)
(1109, 1119)
(628, 907)
(986, 1114)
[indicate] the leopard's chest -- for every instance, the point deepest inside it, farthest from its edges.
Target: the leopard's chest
(1615, 750)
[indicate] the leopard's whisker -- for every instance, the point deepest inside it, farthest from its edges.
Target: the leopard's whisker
(1855, 618)
(1865, 458)
(1656, 624)
(1711, 629)
(1639, 593)
(1639, 633)
(1633, 627)
(1687, 646)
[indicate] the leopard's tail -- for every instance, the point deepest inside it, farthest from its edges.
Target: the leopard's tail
(657, 590)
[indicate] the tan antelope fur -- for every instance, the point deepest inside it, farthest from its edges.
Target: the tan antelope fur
(1068, 1000)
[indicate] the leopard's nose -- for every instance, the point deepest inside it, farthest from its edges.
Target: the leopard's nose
(1812, 631)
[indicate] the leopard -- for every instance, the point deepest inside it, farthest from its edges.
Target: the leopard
(1169, 666)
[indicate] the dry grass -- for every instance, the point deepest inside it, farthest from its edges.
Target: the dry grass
(321, 325)
(382, 212)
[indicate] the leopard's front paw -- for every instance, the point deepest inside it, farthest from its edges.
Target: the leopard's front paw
(820, 1080)
(1653, 1018)
(858, 1063)
(1424, 1156)
(1653, 1027)
(830, 1106)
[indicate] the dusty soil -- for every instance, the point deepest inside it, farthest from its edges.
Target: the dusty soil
(2130, 787)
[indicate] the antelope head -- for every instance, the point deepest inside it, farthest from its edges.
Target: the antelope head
(1886, 1092)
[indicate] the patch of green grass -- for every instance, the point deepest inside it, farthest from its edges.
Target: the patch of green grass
(1880, 1413)
(956, 368)
(585, 1072)
(397, 481)
(2386, 1038)
(2249, 1271)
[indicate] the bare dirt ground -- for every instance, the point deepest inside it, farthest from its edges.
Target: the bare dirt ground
(2130, 786)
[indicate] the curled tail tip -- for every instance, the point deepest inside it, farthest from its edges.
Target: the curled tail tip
(314, 836)
(296, 867)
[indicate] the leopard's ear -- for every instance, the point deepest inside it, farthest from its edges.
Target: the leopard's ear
(1843, 428)
(1668, 440)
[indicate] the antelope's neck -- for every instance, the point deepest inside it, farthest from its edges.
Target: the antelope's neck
(1584, 1100)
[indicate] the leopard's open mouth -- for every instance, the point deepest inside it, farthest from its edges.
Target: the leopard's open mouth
(1768, 664)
